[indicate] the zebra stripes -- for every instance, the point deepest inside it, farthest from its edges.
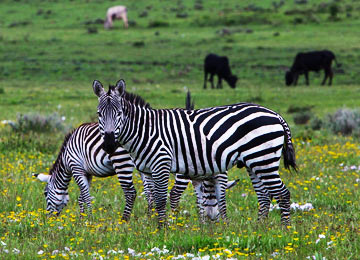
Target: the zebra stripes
(82, 157)
(201, 144)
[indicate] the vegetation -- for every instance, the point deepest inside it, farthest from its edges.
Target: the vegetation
(53, 50)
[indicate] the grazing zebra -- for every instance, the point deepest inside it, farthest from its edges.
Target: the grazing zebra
(82, 157)
(201, 144)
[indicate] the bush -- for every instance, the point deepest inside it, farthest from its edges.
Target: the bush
(2, 91)
(39, 123)
(158, 23)
(344, 121)
(302, 118)
(316, 123)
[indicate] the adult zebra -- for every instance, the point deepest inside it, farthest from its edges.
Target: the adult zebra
(200, 143)
(82, 156)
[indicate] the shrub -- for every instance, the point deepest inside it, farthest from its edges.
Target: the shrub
(302, 118)
(92, 30)
(2, 91)
(345, 121)
(158, 23)
(139, 44)
(316, 123)
(39, 123)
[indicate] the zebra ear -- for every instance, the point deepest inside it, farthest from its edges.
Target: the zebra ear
(98, 88)
(43, 177)
(120, 86)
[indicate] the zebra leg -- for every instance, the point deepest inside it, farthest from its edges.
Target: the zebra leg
(127, 185)
(220, 182)
(262, 194)
(278, 190)
(199, 191)
(161, 182)
(181, 183)
(81, 204)
(84, 186)
(149, 191)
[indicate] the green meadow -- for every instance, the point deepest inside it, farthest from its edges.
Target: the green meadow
(50, 53)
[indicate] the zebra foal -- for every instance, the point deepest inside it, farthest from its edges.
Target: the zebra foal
(201, 144)
(82, 156)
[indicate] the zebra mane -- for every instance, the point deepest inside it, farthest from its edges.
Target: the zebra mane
(132, 98)
(62, 150)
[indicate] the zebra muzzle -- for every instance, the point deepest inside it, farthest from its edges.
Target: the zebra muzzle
(110, 144)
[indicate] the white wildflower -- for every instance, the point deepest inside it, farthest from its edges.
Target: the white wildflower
(6, 251)
(3, 243)
(16, 251)
(63, 118)
(131, 251)
(156, 249)
(67, 249)
(111, 252)
(55, 252)
(40, 252)
(189, 255)
(275, 254)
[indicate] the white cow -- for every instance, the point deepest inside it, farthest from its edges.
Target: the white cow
(116, 12)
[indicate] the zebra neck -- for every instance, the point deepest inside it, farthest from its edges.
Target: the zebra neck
(60, 173)
(139, 127)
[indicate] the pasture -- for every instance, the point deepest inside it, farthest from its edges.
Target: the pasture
(51, 51)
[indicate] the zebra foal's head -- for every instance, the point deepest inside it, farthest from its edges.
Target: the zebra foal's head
(56, 199)
(110, 113)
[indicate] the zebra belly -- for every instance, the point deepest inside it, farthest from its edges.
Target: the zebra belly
(100, 167)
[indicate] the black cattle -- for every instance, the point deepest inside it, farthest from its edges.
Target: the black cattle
(311, 61)
(218, 65)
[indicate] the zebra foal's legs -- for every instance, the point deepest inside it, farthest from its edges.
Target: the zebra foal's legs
(84, 185)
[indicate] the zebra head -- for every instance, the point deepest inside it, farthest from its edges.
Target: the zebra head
(56, 200)
(110, 113)
(206, 193)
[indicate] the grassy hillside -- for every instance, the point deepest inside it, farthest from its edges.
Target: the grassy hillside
(51, 51)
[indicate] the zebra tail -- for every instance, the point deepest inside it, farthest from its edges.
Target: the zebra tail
(288, 151)
(188, 104)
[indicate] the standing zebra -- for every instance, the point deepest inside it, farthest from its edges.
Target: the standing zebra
(83, 156)
(200, 144)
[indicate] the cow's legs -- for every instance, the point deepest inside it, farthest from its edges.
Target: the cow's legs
(325, 76)
(331, 74)
(296, 77)
(212, 80)
(219, 84)
(205, 79)
(307, 78)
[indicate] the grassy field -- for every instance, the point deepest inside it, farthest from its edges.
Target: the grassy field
(49, 59)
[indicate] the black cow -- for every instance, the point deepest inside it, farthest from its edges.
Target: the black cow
(311, 61)
(218, 65)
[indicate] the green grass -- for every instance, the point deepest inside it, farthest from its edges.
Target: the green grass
(49, 60)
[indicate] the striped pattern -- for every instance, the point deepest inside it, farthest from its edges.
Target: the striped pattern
(201, 144)
(82, 157)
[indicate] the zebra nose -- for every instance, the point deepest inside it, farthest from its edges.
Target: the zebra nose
(109, 144)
